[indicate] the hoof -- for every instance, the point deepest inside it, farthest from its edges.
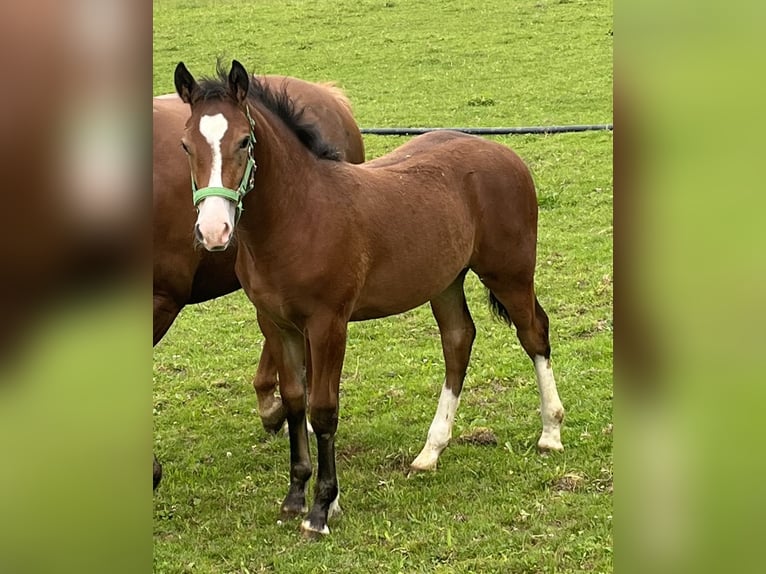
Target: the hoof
(273, 414)
(273, 429)
(274, 423)
(414, 469)
(310, 532)
(287, 511)
(424, 463)
(549, 443)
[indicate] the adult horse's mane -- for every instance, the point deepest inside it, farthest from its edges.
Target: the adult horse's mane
(277, 101)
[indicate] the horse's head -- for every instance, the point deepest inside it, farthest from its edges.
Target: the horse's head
(219, 141)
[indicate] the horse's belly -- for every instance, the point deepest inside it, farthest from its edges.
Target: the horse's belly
(390, 293)
(379, 309)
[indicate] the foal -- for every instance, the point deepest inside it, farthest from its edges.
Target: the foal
(322, 243)
(184, 274)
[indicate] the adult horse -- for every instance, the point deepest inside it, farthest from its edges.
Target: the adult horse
(322, 243)
(185, 274)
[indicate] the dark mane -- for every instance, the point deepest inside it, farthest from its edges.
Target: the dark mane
(278, 102)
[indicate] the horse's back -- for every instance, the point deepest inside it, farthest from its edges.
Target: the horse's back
(475, 196)
(453, 150)
(423, 148)
(473, 165)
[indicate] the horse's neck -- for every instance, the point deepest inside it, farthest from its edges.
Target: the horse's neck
(283, 166)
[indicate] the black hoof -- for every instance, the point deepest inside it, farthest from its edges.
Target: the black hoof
(310, 533)
(293, 505)
(274, 423)
(290, 512)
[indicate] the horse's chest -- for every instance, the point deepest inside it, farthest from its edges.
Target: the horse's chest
(284, 298)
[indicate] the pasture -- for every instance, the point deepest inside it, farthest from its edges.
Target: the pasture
(493, 504)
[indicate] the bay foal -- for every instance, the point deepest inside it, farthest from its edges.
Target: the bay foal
(322, 243)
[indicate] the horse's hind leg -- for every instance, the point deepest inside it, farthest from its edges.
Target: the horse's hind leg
(518, 304)
(457, 334)
(270, 407)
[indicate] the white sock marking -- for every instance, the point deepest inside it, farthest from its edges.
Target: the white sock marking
(440, 432)
(306, 525)
(334, 506)
(333, 510)
(551, 409)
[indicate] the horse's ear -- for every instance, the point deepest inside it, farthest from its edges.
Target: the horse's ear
(239, 81)
(185, 83)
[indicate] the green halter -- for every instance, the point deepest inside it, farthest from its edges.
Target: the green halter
(247, 183)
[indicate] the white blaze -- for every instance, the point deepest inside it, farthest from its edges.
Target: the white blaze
(212, 129)
(216, 214)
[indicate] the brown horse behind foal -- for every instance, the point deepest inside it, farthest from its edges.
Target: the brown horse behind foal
(322, 243)
(185, 274)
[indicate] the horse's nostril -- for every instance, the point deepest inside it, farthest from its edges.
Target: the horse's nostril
(197, 233)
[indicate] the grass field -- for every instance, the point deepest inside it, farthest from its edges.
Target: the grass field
(496, 507)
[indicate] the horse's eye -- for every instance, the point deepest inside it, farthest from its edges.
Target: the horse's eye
(186, 149)
(244, 143)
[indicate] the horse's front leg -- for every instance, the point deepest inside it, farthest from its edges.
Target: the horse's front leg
(288, 351)
(327, 347)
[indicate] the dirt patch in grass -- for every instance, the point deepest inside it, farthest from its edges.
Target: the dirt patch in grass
(481, 436)
(570, 482)
(573, 482)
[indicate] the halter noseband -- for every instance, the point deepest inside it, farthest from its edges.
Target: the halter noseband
(245, 186)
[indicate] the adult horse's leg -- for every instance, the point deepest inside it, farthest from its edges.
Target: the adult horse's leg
(517, 304)
(156, 473)
(457, 334)
(327, 344)
(288, 351)
(270, 408)
(166, 310)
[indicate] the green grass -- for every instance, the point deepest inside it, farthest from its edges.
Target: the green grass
(487, 508)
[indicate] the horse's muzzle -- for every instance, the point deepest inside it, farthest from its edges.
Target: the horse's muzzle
(217, 241)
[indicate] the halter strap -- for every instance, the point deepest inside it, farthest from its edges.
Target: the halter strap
(245, 185)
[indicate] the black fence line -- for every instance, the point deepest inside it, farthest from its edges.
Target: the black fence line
(490, 131)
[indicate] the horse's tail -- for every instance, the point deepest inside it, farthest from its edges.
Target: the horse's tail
(498, 310)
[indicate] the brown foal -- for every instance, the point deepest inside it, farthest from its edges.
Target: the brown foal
(322, 242)
(185, 274)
